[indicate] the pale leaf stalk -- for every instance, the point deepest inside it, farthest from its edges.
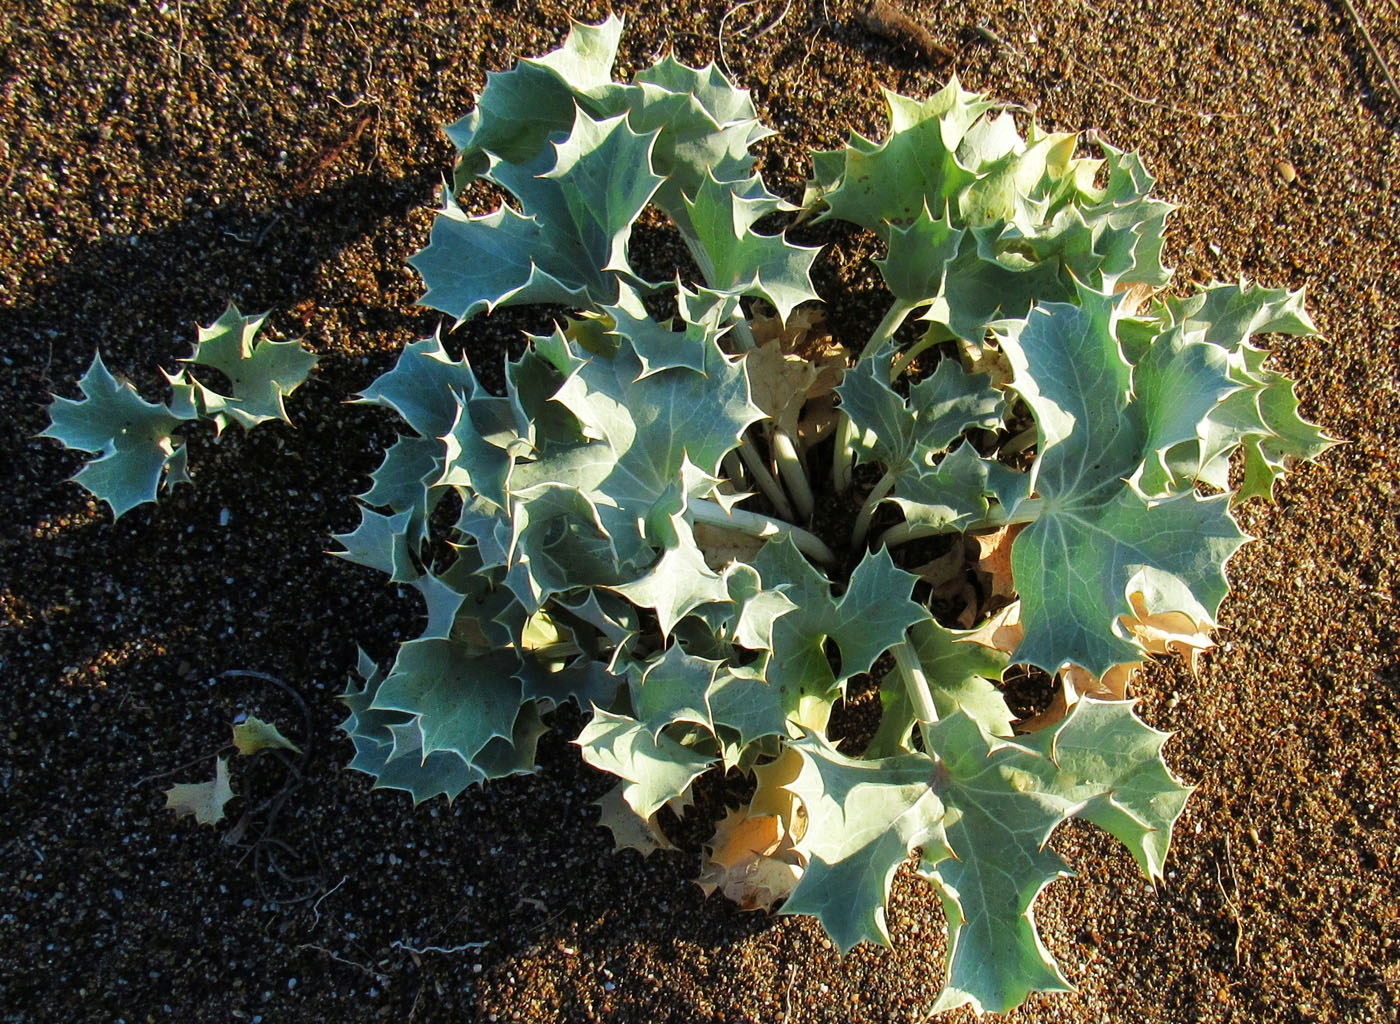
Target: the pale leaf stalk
(843, 454)
(743, 334)
(734, 469)
(867, 511)
(1027, 511)
(884, 331)
(794, 476)
(907, 357)
(911, 670)
(1022, 441)
(740, 520)
(770, 487)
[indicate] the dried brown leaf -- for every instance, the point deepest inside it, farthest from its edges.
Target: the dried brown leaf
(972, 606)
(944, 569)
(1135, 296)
(994, 560)
(721, 547)
(804, 334)
(783, 382)
(1002, 632)
(1076, 682)
(1167, 632)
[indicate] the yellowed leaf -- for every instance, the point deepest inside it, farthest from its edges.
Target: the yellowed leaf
(741, 836)
(253, 734)
(772, 797)
(630, 830)
(204, 800)
(981, 357)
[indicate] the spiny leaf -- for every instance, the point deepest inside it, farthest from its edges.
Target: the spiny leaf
(260, 373)
(916, 264)
(388, 745)
(655, 769)
(1261, 416)
(704, 127)
(909, 439)
(1180, 381)
(425, 387)
(628, 830)
(406, 481)
(674, 688)
(915, 168)
(756, 608)
(864, 819)
(204, 801)
(678, 583)
(1024, 219)
(939, 408)
(704, 316)
(1004, 798)
(870, 617)
(960, 676)
(579, 198)
(478, 263)
(132, 434)
(520, 109)
(459, 700)
(735, 258)
(1072, 373)
(653, 423)
(678, 687)
(381, 542)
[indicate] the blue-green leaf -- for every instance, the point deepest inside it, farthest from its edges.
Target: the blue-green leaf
(1098, 539)
(655, 769)
(735, 258)
(260, 373)
(1004, 798)
(132, 435)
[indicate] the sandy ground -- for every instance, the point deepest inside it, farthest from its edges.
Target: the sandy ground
(159, 160)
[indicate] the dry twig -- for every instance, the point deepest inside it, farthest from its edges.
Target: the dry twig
(1232, 904)
(331, 154)
(1360, 24)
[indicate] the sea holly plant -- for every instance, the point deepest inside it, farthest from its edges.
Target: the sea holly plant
(717, 529)
(138, 455)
